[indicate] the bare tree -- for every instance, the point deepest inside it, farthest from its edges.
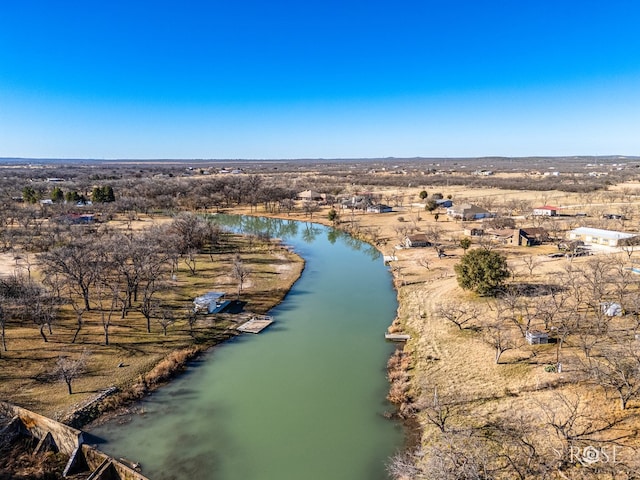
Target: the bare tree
(531, 263)
(402, 465)
(68, 369)
(3, 323)
(439, 410)
(239, 272)
(458, 313)
(309, 208)
(77, 262)
(617, 368)
(165, 319)
(497, 335)
(190, 259)
(192, 319)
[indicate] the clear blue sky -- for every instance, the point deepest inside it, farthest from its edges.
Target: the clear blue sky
(318, 78)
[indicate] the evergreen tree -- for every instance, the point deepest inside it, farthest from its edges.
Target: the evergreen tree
(482, 270)
(57, 195)
(29, 195)
(103, 194)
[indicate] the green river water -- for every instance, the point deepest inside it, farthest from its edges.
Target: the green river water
(302, 400)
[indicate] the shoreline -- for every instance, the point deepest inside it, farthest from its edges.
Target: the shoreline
(140, 390)
(399, 377)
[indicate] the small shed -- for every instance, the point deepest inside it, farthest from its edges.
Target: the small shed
(611, 309)
(537, 337)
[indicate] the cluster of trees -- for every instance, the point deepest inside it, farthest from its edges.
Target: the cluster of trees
(103, 194)
(558, 437)
(110, 275)
(593, 308)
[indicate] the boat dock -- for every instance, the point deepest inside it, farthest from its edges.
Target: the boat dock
(397, 337)
(256, 324)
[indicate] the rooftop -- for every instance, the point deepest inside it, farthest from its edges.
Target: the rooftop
(600, 233)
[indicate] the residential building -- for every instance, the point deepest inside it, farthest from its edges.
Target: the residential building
(546, 211)
(597, 236)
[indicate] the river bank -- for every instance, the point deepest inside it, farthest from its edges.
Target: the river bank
(317, 375)
(402, 391)
(121, 366)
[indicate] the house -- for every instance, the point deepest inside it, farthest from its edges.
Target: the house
(503, 235)
(379, 208)
(211, 302)
(597, 236)
(444, 203)
(468, 212)
(520, 236)
(309, 195)
(358, 202)
(474, 232)
(531, 236)
(536, 337)
(417, 240)
(546, 211)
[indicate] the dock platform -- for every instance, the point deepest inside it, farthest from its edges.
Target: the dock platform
(397, 337)
(256, 324)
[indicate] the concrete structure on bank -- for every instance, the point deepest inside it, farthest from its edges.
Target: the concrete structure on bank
(58, 437)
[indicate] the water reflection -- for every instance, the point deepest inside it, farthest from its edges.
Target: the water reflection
(303, 400)
(286, 229)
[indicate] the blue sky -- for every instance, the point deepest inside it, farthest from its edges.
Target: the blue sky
(311, 79)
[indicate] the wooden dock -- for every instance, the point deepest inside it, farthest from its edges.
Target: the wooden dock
(397, 337)
(256, 324)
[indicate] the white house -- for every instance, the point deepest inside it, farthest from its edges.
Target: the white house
(546, 211)
(597, 236)
(468, 212)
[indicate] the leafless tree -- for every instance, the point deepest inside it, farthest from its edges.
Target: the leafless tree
(239, 272)
(68, 369)
(165, 319)
(190, 259)
(512, 306)
(575, 424)
(497, 335)
(617, 368)
(77, 262)
(3, 324)
(439, 409)
(458, 313)
(531, 263)
(192, 319)
(108, 294)
(309, 208)
(403, 466)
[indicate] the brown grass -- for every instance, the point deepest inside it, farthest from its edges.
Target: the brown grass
(458, 362)
(24, 377)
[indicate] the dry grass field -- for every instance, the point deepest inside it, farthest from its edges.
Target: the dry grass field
(25, 378)
(526, 416)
